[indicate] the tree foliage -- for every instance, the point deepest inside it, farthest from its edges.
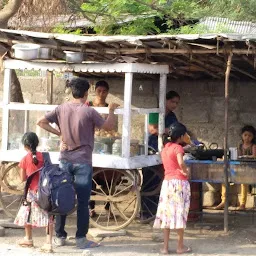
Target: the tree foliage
(138, 16)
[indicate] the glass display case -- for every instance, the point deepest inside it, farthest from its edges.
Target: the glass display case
(113, 149)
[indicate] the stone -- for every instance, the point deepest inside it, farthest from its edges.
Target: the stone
(95, 232)
(209, 198)
(158, 237)
(8, 223)
(2, 231)
(214, 187)
(87, 253)
(8, 220)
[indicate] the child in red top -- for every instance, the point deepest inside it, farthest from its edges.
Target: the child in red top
(174, 201)
(30, 215)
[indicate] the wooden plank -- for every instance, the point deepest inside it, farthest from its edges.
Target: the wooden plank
(49, 81)
(243, 173)
(6, 100)
(126, 130)
(146, 134)
(202, 172)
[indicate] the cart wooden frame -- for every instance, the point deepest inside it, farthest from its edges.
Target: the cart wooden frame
(123, 184)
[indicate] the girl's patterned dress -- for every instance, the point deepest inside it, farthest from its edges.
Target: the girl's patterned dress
(174, 201)
(173, 206)
(31, 214)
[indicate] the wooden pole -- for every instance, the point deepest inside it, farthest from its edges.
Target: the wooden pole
(6, 101)
(162, 106)
(226, 162)
(127, 115)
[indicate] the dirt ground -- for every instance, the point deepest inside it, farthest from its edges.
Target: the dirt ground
(206, 237)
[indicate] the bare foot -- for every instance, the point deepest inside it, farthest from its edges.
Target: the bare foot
(164, 251)
(185, 249)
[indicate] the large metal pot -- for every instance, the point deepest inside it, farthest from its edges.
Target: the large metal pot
(75, 57)
(45, 53)
(26, 51)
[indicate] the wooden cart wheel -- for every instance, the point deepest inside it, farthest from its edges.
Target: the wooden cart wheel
(11, 188)
(116, 197)
(150, 191)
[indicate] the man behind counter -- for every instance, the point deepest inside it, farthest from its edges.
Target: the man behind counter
(149, 205)
(172, 101)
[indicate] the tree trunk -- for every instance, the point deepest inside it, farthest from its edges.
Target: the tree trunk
(8, 11)
(16, 120)
(16, 92)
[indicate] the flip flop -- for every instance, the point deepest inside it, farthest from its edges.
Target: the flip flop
(185, 250)
(89, 245)
(47, 248)
(26, 242)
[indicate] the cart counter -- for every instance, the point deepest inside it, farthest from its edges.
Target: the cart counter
(98, 160)
(240, 172)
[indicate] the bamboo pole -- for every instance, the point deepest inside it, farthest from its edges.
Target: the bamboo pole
(226, 162)
(128, 50)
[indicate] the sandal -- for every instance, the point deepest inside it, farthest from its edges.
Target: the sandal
(47, 248)
(184, 250)
(86, 244)
(241, 207)
(220, 206)
(26, 242)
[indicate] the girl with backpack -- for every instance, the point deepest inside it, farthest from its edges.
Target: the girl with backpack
(174, 201)
(29, 214)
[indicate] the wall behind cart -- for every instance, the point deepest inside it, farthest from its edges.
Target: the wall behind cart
(201, 107)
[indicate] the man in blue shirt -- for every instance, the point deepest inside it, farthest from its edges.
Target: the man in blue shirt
(172, 101)
(149, 203)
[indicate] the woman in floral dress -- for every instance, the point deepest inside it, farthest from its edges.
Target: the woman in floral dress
(174, 201)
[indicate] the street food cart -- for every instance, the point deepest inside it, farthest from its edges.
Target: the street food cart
(191, 57)
(119, 176)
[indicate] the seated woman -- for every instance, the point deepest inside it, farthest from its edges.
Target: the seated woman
(247, 149)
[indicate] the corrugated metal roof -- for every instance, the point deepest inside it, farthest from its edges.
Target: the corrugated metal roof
(193, 55)
(241, 27)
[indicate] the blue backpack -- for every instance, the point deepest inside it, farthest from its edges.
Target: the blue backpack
(56, 193)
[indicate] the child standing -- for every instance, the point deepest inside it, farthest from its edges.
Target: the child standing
(174, 198)
(246, 149)
(30, 215)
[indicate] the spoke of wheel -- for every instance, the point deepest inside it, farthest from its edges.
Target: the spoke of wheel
(123, 190)
(111, 205)
(151, 201)
(152, 177)
(121, 213)
(109, 211)
(129, 203)
(106, 182)
(111, 183)
(17, 172)
(98, 193)
(101, 211)
(118, 186)
(99, 187)
(7, 195)
(12, 202)
(148, 209)
(150, 188)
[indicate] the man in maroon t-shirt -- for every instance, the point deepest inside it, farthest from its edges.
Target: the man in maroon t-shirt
(76, 122)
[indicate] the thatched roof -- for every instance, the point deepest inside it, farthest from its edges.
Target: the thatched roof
(188, 56)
